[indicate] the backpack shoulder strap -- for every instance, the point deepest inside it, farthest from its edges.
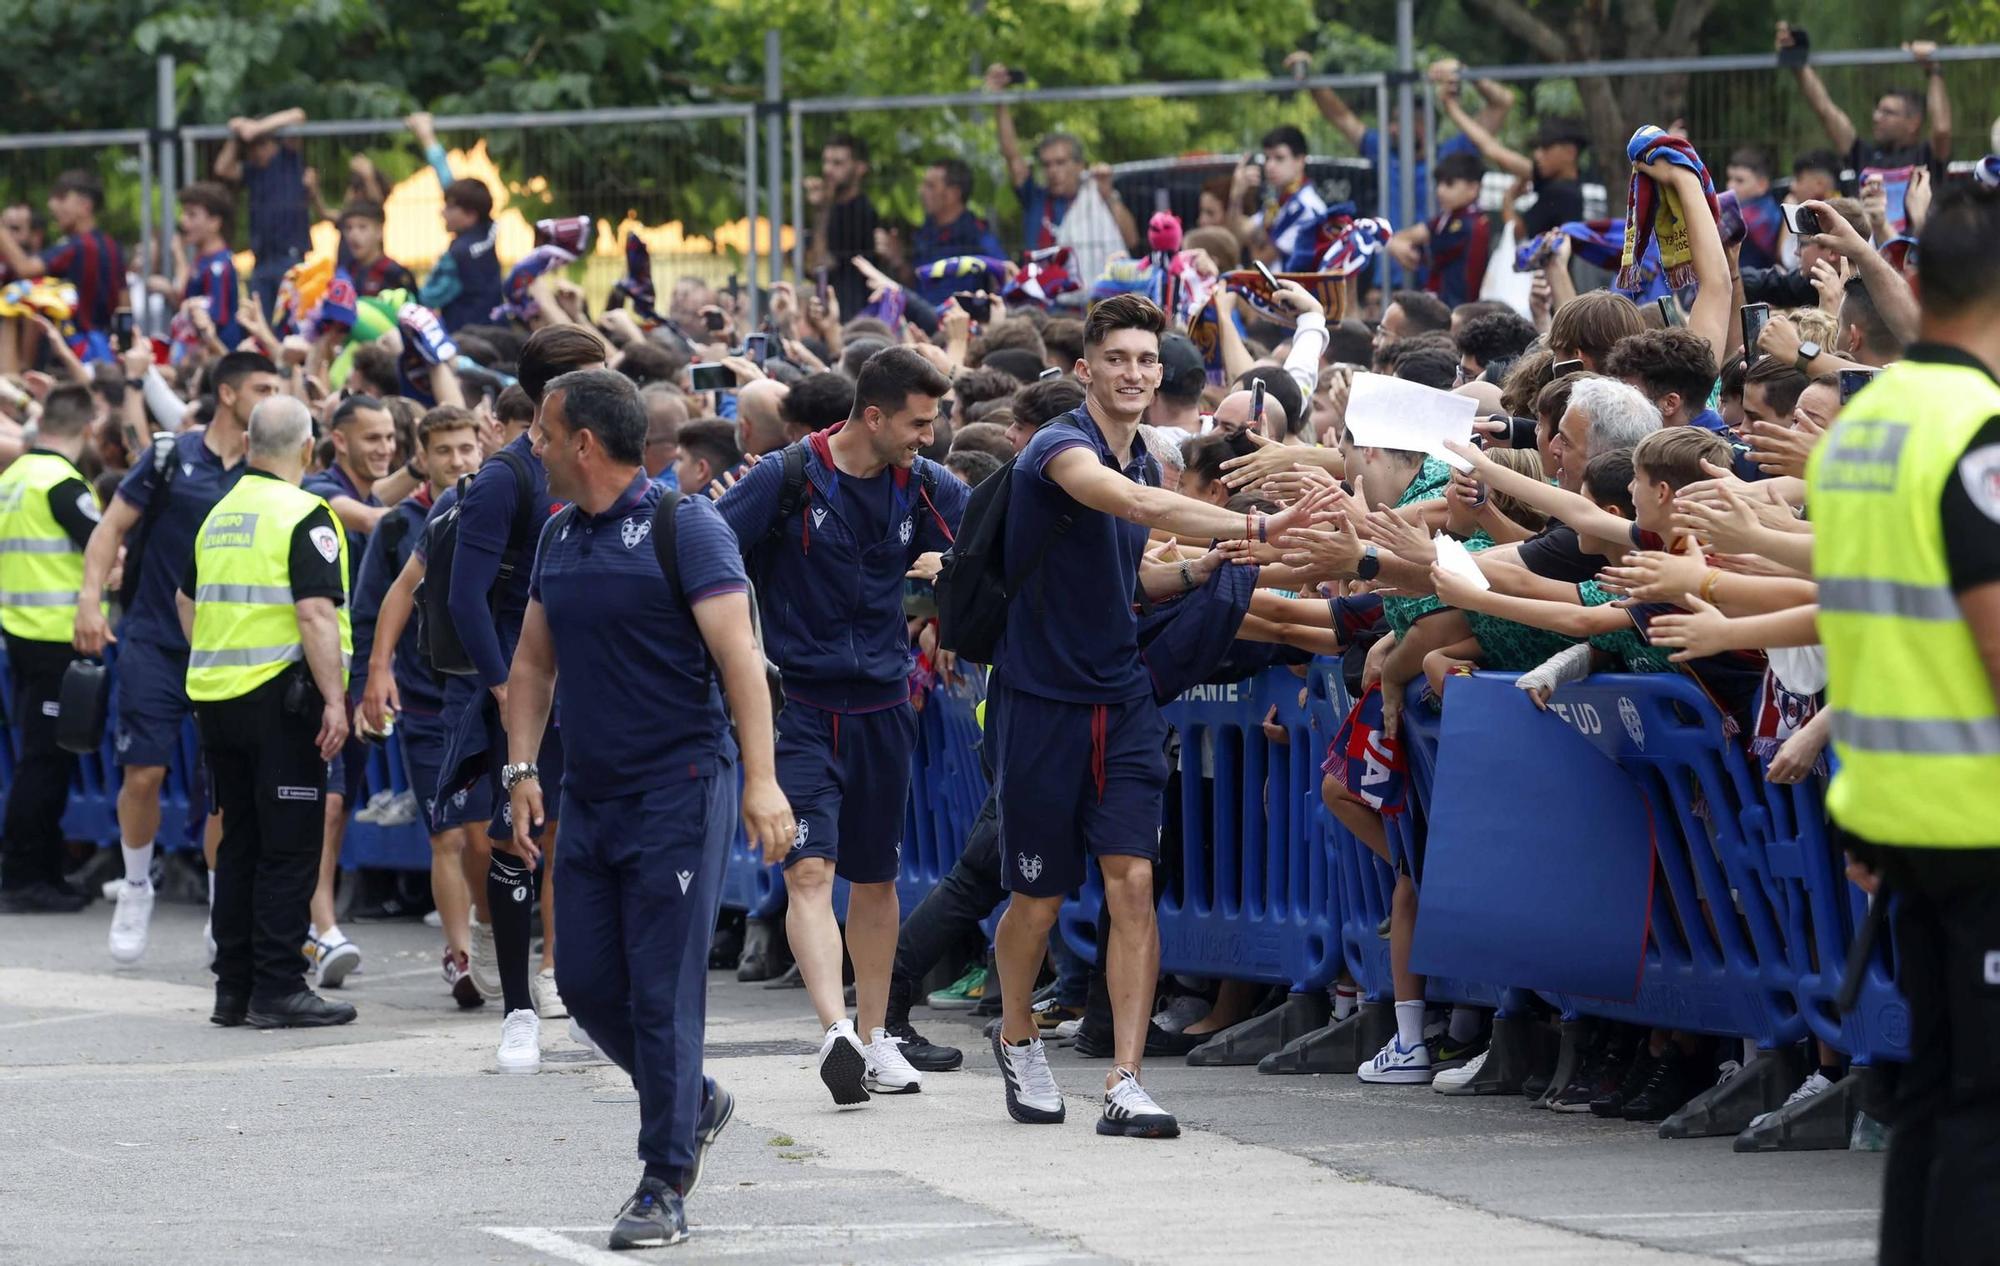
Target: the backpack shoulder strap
(792, 489)
(664, 547)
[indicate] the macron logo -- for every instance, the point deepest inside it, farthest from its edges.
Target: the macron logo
(686, 877)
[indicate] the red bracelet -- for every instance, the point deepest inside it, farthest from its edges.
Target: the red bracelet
(1249, 527)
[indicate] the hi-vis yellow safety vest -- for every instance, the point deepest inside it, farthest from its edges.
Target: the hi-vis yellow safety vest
(41, 568)
(246, 628)
(1915, 725)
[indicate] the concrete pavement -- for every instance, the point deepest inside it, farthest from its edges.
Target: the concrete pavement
(131, 1126)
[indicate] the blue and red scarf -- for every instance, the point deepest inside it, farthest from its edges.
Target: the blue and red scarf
(1654, 215)
(1368, 762)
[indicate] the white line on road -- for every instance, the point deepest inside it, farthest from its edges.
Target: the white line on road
(544, 1240)
(55, 1019)
(1709, 1215)
(1817, 1251)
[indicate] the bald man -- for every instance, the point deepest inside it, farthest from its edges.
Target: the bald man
(1233, 414)
(758, 420)
(666, 414)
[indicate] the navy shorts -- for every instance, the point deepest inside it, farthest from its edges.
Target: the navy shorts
(847, 775)
(422, 736)
(347, 772)
(1075, 780)
(548, 763)
(152, 704)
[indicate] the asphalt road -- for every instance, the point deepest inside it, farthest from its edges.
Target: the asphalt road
(132, 1129)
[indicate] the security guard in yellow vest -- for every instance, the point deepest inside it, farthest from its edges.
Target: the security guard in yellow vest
(1904, 496)
(47, 512)
(268, 648)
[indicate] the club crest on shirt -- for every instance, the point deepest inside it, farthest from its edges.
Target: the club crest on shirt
(632, 531)
(903, 533)
(326, 541)
(819, 515)
(1031, 867)
(799, 836)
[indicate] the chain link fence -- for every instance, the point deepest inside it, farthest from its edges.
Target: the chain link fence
(122, 162)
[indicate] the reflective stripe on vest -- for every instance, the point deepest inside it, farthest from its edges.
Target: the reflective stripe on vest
(41, 568)
(246, 625)
(1915, 724)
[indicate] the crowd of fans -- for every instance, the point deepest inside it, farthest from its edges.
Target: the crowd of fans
(1635, 501)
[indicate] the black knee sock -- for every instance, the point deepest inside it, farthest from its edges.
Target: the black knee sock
(510, 899)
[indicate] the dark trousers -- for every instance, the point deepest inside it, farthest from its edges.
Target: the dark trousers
(268, 781)
(949, 914)
(638, 883)
(1941, 1188)
(39, 792)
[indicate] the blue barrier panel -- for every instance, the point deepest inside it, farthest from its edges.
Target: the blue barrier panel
(405, 847)
(1363, 882)
(1553, 899)
(1252, 900)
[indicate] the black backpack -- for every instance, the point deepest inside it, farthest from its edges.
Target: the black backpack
(164, 470)
(664, 549)
(435, 631)
(974, 585)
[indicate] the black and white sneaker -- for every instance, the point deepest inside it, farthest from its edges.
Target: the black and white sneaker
(1033, 1098)
(715, 1113)
(843, 1066)
(1131, 1112)
(652, 1218)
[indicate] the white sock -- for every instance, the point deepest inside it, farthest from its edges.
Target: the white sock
(138, 862)
(211, 890)
(1345, 999)
(1464, 1023)
(1410, 1024)
(332, 936)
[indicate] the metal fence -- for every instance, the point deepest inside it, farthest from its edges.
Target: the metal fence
(122, 162)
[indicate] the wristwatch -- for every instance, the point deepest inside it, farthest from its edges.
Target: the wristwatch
(1808, 353)
(512, 776)
(1370, 565)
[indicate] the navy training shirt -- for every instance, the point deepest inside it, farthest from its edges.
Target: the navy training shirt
(1072, 634)
(280, 223)
(489, 632)
(333, 482)
(628, 652)
(196, 485)
(830, 587)
(399, 534)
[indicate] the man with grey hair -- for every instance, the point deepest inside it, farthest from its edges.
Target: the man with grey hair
(264, 609)
(1604, 415)
(1046, 205)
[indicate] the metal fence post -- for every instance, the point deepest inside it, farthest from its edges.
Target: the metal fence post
(774, 147)
(1406, 159)
(169, 122)
(1381, 176)
(1429, 192)
(798, 198)
(150, 264)
(750, 208)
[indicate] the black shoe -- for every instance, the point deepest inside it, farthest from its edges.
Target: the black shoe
(926, 1056)
(1095, 1043)
(1535, 1085)
(1673, 1082)
(1597, 1077)
(754, 967)
(41, 897)
(716, 1111)
(652, 1218)
(230, 1008)
(1612, 1105)
(1446, 1053)
(302, 1010)
(390, 909)
(726, 949)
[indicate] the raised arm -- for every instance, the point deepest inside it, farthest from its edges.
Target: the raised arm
(1937, 100)
(420, 127)
(1712, 302)
(1018, 166)
(1839, 128)
(1331, 107)
(1511, 161)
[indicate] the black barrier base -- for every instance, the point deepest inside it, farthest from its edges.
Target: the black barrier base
(1261, 1035)
(1728, 1107)
(1520, 1045)
(1569, 1056)
(1823, 1123)
(1340, 1047)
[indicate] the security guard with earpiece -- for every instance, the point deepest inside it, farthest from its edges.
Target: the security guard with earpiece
(263, 604)
(47, 513)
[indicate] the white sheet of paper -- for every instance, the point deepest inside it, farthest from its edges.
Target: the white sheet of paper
(1456, 559)
(1385, 412)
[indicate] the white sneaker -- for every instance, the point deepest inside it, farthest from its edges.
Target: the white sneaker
(581, 1038)
(1033, 1098)
(1399, 1066)
(1452, 1078)
(208, 938)
(520, 1042)
(1814, 1085)
(1066, 1031)
(548, 1002)
(482, 963)
(371, 812)
(129, 924)
(336, 962)
(433, 920)
(1130, 1112)
(843, 1065)
(888, 1073)
(111, 887)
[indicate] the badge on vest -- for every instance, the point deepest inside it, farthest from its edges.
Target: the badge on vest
(326, 542)
(1979, 471)
(632, 531)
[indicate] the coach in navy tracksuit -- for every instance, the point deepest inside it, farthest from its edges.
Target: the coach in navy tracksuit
(830, 579)
(1077, 735)
(651, 782)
